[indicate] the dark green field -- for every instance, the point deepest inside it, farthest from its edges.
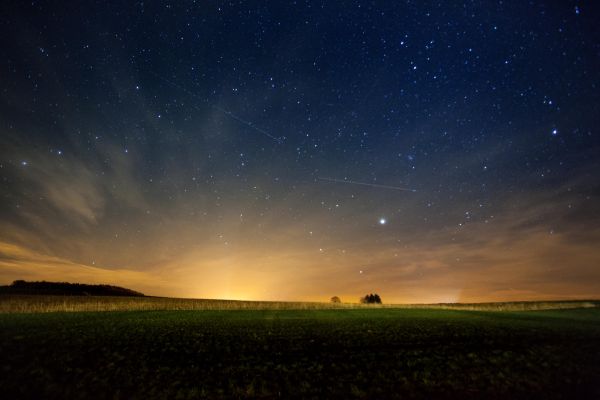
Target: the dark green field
(370, 353)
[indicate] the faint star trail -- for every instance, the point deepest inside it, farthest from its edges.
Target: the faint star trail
(249, 124)
(376, 185)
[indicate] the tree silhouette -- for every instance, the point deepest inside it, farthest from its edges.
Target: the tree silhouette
(336, 299)
(371, 299)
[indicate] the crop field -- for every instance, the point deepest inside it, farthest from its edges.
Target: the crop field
(378, 353)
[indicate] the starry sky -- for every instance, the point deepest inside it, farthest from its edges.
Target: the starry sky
(297, 150)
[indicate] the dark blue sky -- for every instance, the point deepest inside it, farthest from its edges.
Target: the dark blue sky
(226, 148)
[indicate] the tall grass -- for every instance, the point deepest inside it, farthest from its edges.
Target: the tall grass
(42, 303)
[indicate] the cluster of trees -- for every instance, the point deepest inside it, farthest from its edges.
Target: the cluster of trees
(367, 299)
(66, 289)
(371, 299)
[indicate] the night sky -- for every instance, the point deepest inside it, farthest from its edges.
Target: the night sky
(425, 151)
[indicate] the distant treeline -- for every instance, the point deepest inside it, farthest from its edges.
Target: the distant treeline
(66, 289)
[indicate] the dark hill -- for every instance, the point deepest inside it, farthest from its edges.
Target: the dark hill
(66, 289)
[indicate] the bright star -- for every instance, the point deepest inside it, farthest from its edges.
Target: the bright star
(382, 221)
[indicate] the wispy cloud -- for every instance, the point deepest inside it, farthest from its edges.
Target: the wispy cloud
(18, 261)
(92, 220)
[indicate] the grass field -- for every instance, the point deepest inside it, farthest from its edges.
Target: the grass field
(376, 353)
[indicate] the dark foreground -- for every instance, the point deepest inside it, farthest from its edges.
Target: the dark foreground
(373, 353)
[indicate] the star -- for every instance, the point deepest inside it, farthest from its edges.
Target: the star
(382, 221)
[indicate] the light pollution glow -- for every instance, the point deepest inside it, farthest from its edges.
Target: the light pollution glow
(513, 256)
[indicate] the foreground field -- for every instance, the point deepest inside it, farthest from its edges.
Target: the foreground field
(373, 353)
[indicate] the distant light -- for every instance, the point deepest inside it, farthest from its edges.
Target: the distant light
(24, 163)
(382, 221)
(555, 132)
